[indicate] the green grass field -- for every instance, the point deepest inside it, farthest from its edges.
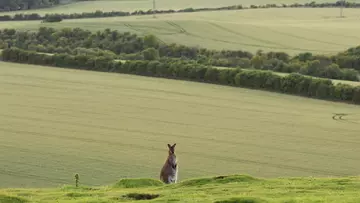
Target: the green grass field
(292, 30)
(57, 122)
(230, 189)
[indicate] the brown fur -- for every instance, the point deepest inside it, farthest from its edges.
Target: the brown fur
(169, 171)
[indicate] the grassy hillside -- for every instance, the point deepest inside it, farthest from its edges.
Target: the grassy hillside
(58, 122)
(220, 189)
(292, 30)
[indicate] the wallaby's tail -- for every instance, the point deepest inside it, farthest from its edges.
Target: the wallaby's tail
(162, 175)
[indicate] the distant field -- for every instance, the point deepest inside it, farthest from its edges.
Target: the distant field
(292, 30)
(57, 122)
(132, 5)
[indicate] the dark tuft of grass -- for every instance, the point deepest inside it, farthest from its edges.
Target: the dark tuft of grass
(341, 181)
(141, 196)
(219, 180)
(12, 199)
(78, 194)
(242, 200)
(97, 201)
(137, 183)
(25, 194)
(174, 200)
(289, 201)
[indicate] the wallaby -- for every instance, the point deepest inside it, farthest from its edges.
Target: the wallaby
(169, 171)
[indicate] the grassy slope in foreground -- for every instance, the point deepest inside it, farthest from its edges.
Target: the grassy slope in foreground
(106, 126)
(292, 30)
(230, 189)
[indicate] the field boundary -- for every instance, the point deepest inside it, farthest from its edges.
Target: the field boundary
(281, 74)
(292, 84)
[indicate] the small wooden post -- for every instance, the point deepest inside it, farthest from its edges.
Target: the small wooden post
(76, 180)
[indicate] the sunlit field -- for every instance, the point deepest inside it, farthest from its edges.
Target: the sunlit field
(58, 122)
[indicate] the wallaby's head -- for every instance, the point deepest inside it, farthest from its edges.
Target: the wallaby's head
(171, 149)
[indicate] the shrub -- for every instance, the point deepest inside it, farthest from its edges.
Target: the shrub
(52, 18)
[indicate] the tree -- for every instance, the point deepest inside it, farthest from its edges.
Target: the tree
(257, 61)
(151, 54)
(151, 41)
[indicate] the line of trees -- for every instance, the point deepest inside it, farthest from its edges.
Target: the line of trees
(295, 84)
(68, 40)
(335, 67)
(101, 14)
(111, 43)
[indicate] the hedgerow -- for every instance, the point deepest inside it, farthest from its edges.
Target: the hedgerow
(294, 83)
(128, 46)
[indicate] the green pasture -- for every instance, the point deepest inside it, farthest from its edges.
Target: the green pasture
(292, 30)
(57, 122)
(132, 5)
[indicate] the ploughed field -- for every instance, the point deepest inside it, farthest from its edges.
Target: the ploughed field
(57, 122)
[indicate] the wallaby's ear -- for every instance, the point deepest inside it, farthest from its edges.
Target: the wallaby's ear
(174, 145)
(169, 145)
